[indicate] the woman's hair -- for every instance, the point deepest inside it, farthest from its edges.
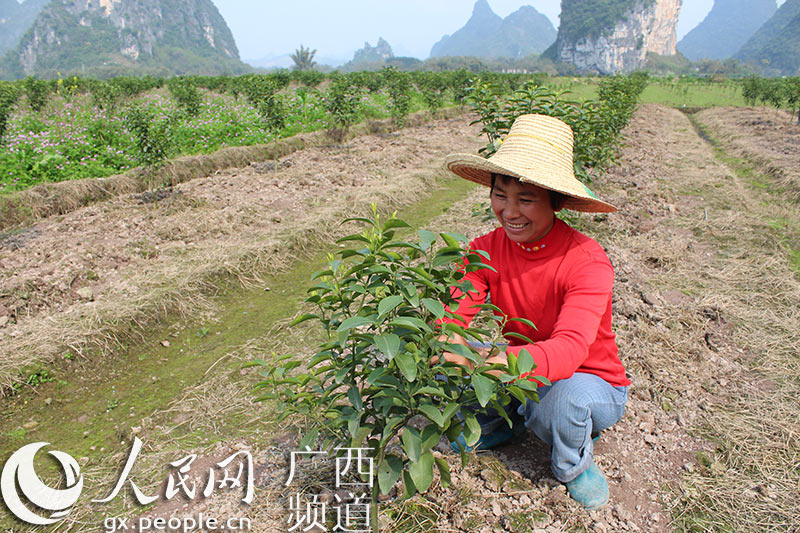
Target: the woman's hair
(557, 199)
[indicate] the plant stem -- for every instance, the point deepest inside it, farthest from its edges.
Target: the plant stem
(373, 509)
(373, 504)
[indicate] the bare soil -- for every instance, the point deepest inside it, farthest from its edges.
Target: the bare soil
(706, 315)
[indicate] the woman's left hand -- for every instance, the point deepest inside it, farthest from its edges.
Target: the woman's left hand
(501, 359)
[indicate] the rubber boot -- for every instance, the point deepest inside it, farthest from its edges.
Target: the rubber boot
(590, 488)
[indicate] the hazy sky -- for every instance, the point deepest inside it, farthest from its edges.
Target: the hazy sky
(337, 28)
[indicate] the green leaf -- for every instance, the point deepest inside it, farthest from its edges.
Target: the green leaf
(524, 321)
(525, 362)
(389, 472)
(395, 223)
(308, 439)
(409, 489)
(376, 374)
(254, 362)
(359, 238)
(390, 425)
(444, 471)
(340, 375)
(353, 322)
(490, 307)
(303, 318)
(516, 392)
(450, 411)
(359, 219)
(453, 239)
(433, 414)
(411, 293)
(389, 344)
(506, 378)
(434, 306)
(518, 336)
(411, 322)
(541, 379)
(512, 364)
(354, 426)
(363, 433)
(319, 357)
(424, 275)
(422, 471)
(407, 364)
(426, 238)
(389, 303)
(412, 444)
(455, 429)
(484, 387)
(430, 437)
(431, 391)
(454, 328)
(354, 395)
(472, 429)
(320, 274)
(464, 351)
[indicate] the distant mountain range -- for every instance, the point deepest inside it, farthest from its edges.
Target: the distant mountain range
(105, 38)
(125, 37)
(524, 32)
(729, 24)
(775, 47)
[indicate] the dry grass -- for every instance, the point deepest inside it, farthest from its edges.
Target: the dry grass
(764, 137)
(156, 259)
(735, 337)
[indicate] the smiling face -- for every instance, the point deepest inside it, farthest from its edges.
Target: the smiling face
(523, 209)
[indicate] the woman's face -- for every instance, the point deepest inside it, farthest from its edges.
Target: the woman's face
(523, 209)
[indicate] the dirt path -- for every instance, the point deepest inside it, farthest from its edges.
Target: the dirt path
(706, 317)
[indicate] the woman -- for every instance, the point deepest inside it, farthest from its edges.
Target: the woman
(561, 280)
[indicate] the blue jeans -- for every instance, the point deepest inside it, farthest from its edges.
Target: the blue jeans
(567, 414)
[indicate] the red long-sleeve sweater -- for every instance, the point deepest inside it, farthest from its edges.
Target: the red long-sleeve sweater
(563, 285)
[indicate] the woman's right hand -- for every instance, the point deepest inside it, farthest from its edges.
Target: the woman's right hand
(451, 357)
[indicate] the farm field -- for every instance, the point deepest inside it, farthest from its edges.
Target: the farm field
(705, 249)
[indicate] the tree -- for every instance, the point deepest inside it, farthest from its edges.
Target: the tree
(304, 58)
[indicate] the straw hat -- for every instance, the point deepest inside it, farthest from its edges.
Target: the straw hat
(538, 150)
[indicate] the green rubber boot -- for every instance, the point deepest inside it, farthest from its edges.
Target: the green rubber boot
(590, 488)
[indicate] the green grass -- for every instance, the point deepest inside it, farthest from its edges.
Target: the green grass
(686, 94)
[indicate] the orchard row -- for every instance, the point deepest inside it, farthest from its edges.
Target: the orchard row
(86, 128)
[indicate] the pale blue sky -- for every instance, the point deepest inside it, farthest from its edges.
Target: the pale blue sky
(336, 28)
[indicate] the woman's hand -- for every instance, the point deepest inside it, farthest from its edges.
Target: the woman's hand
(500, 358)
(451, 357)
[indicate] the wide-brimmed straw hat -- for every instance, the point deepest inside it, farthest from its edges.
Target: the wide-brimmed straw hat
(538, 150)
